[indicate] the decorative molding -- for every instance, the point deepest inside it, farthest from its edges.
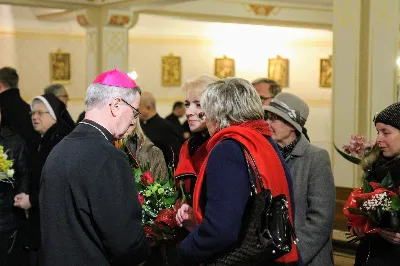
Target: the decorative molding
(238, 20)
(261, 10)
(180, 40)
(144, 39)
(29, 34)
(282, 4)
(82, 20)
(91, 40)
(119, 20)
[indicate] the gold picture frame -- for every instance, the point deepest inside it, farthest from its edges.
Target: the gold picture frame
(60, 67)
(171, 70)
(224, 67)
(278, 70)
(325, 72)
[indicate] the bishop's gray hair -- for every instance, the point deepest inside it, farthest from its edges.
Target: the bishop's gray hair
(98, 95)
(231, 100)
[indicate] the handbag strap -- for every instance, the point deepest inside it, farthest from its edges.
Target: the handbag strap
(248, 166)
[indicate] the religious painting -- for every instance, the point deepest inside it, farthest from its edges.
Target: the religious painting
(171, 70)
(60, 67)
(278, 70)
(224, 67)
(325, 72)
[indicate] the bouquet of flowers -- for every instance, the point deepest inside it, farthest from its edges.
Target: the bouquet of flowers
(159, 202)
(356, 149)
(374, 206)
(6, 171)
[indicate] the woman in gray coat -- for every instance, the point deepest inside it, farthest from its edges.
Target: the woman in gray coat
(313, 184)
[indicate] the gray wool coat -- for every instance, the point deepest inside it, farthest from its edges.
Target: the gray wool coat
(314, 199)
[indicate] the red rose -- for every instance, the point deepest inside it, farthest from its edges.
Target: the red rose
(147, 179)
(141, 199)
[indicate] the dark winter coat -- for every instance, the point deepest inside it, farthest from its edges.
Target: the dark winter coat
(17, 152)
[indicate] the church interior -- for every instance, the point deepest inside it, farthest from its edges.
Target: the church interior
(339, 56)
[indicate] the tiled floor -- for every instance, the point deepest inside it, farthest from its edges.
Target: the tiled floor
(343, 259)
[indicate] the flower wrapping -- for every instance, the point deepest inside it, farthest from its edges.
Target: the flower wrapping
(367, 207)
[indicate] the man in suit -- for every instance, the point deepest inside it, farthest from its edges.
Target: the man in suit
(178, 110)
(161, 132)
(14, 110)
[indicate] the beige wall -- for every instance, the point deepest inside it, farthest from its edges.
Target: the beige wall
(198, 58)
(29, 53)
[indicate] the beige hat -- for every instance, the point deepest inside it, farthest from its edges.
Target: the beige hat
(290, 108)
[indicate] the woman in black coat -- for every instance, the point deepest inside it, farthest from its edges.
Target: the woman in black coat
(382, 248)
(11, 218)
(50, 120)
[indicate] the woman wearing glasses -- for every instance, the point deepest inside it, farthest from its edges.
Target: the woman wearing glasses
(313, 184)
(49, 119)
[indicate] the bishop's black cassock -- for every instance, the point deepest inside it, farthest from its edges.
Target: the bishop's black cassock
(90, 213)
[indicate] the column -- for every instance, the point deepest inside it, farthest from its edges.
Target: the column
(365, 35)
(107, 39)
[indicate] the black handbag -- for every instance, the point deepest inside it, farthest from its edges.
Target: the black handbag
(267, 232)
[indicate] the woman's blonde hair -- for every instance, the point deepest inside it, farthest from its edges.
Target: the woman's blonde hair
(138, 131)
(199, 83)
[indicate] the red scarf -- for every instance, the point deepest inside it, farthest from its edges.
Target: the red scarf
(252, 135)
(189, 166)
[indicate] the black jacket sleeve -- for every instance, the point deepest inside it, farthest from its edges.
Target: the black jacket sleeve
(117, 212)
(21, 168)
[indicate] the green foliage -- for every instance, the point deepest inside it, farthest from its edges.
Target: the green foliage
(367, 188)
(348, 157)
(387, 181)
(395, 205)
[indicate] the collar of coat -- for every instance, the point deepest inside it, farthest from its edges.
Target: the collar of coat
(300, 147)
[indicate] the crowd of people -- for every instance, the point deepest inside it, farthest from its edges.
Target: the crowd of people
(74, 202)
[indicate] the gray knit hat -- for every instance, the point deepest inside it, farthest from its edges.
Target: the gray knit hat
(389, 116)
(290, 108)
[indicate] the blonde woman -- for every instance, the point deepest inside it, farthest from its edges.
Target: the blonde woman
(145, 152)
(193, 151)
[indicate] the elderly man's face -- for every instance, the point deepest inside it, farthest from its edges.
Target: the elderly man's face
(126, 116)
(265, 95)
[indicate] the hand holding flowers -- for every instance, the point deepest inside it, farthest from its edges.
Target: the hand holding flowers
(185, 217)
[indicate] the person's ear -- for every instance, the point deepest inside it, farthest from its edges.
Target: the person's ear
(115, 106)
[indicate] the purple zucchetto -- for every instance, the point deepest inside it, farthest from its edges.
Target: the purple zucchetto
(115, 78)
